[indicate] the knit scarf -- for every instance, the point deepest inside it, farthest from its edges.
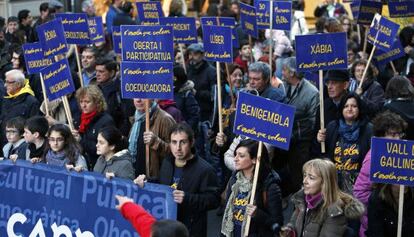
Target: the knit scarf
(350, 133)
(313, 200)
(243, 185)
(56, 158)
(86, 119)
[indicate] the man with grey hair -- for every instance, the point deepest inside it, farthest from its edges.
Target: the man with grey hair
(304, 96)
(259, 79)
(19, 101)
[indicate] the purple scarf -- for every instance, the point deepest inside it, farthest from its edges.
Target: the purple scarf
(313, 200)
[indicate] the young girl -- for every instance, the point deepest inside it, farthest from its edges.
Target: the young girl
(63, 150)
(16, 147)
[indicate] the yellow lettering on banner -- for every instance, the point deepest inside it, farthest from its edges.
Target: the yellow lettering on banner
(392, 176)
(218, 55)
(40, 63)
(151, 15)
(372, 10)
(252, 132)
(59, 86)
(55, 72)
(401, 8)
(91, 22)
(281, 20)
(248, 25)
(216, 39)
(52, 51)
(76, 35)
(149, 7)
(248, 13)
(149, 88)
(395, 148)
(145, 56)
(181, 27)
(92, 30)
(264, 115)
(142, 45)
(321, 48)
(32, 51)
(50, 34)
(397, 162)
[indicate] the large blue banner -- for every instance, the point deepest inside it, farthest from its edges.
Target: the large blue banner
(52, 38)
(184, 28)
(149, 12)
(96, 30)
(34, 58)
(58, 80)
(116, 39)
(392, 161)
(147, 43)
(45, 200)
(76, 27)
(147, 80)
(223, 21)
(367, 11)
(248, 19)
(396, 51)
(264, 120)
(217, 42)
(321, 52)
(401, 9)
(382, 32)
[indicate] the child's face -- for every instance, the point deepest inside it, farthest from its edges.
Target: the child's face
(29, 137)
(56, 141)
(12, 134)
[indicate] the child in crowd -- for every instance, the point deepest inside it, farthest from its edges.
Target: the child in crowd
(35, 131)
(16, 147)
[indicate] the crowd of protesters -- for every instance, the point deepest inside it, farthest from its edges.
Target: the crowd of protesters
(331, 192)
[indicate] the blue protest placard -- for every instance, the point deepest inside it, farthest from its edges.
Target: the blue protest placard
(51, 201)
(264, 120)
(34, 58)
(217, 42)
(401, 9)
(382, 32)
(116, 39)
(392, 161)
(263, 14)
(58, 80)
(282, 15)
(355, 8)
(396, 51)
(147, 43)
(248, 19)
(321, 52)
(52, 38)
(147, 80)
(223, 21)
(96, 30)
(367, 11)
(184, 28)
(149, 12)
(76, 27)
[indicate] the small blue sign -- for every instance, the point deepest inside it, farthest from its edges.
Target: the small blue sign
(76, 27)
(147, 80)
(263, 14)
(382, 32)
(264, 120)
(395, 52)
(401, 9)
(248, 19)
(217, 42)
(47, 200)
(355, 8)
(184, 28)
(367, 11)
(223, 21)
(282, 15)
(149, 12)
(147, 43)
(392, 161)
(52, 38)
(116, 39)
(58, 80)
(321, 52)
(34, 58)
(96, 30)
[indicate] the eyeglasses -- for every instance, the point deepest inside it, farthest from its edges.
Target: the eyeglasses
(11, 131)
(56, 139)
(9, 82)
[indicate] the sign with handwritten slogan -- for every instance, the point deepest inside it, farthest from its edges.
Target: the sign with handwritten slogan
(33, 57)
(147, 80)
(264, 120)
(282, 14)
(96, 30)
(321, 52)
(116, 39)
(147, 43)
(217, 43)
(396, 51)
(382, 32)
(392, 161)
(367, 10)
(223, 21)
(76, 27)
(184, 28)
(149, 12)
(58, 80)
(401, 8)
(52, 38)
(248, 19)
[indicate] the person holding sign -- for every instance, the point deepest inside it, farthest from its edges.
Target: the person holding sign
(348, 139)
(267, 213)
(321, 208)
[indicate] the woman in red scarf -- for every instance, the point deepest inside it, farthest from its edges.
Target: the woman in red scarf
(93, 117)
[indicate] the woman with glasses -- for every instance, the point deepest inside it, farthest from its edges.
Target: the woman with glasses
(63, 150)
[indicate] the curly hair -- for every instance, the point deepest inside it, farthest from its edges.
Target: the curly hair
(387, 121)
(95, 94)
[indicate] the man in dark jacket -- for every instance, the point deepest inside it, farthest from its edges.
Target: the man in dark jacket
(25, 24)
(259, 79)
